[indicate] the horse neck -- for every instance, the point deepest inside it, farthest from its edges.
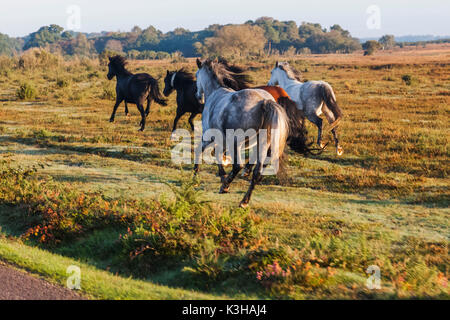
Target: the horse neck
(123, 74)
(212, 85)
(173, 81)
(285, 81)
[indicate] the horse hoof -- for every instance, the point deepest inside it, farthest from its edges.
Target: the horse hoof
(226, 161)
(321, 145)
(224, 190)
(141, 129)
(245, 174)
(111, 120)
(243, 205)
(339, 151)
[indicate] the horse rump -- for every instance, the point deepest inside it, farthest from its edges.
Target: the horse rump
(275, 120)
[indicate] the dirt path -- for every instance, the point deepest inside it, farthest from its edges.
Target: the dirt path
(18, 285)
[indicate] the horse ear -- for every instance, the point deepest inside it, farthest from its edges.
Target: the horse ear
(168, 72)
(199, 63)
(277, 64)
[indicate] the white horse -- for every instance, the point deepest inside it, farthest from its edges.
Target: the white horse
(248, 110)
(312, 97)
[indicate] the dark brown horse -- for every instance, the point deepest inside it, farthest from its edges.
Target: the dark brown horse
(133, 88)
(184, 84)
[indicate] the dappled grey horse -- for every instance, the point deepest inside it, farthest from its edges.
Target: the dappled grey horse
(248, 110)
(312, 97)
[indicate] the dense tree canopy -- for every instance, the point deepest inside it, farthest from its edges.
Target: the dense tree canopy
(387, 41)
(371, 47)
(45, 35)
(10, 46)
(235, 40)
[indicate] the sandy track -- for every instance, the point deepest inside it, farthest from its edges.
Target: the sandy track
(18, 285)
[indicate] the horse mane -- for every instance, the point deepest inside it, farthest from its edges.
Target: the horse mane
(184, 75)
(119, 63)
(290, 72)
(228, 76)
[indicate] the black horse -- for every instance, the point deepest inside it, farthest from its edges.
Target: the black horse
(133, 88)
(185, 85)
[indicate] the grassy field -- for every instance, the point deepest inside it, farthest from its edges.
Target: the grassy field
(109, 198)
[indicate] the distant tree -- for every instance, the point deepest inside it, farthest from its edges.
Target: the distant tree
(66, 35)
(148, 39)
(290, 52)
(309, 29)
(114, 45)
(10, 46)
(339, 29)
(136, 29)
(387, 41)
(371, 47)
(133, 54)
(236, 40)
(45, 35)
(80, 46)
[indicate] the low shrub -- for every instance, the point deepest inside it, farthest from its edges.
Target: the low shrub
(407, 79)
(187, 228)
(26, 91)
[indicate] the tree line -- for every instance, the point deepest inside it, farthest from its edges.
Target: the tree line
(264, 36)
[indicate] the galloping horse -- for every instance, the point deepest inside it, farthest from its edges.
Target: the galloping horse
(183, 82)
(133, 88)
(248, 109)
(312, 97)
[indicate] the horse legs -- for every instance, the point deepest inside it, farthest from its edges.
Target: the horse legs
(126, 109)
(222, 172)
(113, 115)
(191, 118)
(227, 181)
(198, 155)
(330, 117)
(236, 168)
(149, 102)
(339, 150)
(247, 170)
(175, 121)
(141, 110)
(318, 122)
(256, 178)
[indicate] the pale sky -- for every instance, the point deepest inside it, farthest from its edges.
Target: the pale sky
(398, 17)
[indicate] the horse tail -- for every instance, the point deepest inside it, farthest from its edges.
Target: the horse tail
(297, 130)
(155, 93)
(330, 100)
(274, 117)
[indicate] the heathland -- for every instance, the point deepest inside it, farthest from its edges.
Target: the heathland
(76, 189)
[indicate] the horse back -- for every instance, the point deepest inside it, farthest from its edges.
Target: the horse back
(139, 86)
(275, 91)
